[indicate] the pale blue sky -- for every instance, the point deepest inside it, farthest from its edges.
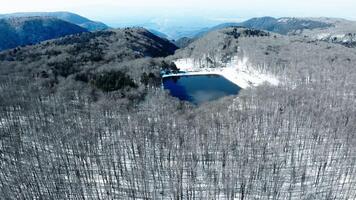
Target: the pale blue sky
(120, 11)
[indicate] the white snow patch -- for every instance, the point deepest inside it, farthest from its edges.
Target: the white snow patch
(322, 36)
(283, 20)
(339, 36)
(237, 71)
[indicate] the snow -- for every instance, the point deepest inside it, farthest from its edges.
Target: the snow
(283, 20)
(322, 36)
(327, 36)
(237, 71)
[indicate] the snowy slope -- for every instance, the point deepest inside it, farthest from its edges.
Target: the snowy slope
(238, 71)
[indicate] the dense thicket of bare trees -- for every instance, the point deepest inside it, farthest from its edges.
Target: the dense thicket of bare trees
(269, 143)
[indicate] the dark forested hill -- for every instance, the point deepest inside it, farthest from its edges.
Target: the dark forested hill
(65, 16)
(31, 30)
(104, 60)
(109, 46)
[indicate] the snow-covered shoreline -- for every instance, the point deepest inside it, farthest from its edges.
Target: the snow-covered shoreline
(237, 71)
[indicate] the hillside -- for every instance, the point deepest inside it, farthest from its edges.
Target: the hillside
(159, 34)
(78, 60)
(31, 30)
(65, 16)
(332, 30)
(342, 32)
(284, 26)
(183, 42)
(259, 56)
(220, 44)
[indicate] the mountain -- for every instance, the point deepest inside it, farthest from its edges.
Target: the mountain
(181, 42)
(222, 43)
(31, 30)
(175, 28)
(114, 46)
(283, 25)
(204, 31)
(103, 61)
(332, 30)
(66, 16)
(268, 51)
(174, 32)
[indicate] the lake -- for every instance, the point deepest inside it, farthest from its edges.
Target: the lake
(198, 89)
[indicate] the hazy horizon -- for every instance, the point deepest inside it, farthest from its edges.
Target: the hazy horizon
(202, 13)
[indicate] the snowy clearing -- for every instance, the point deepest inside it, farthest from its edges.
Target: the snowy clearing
(237, 71)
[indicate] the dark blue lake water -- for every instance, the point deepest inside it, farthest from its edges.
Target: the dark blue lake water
(200, 88)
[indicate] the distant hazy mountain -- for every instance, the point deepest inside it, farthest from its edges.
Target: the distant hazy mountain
(172, 32)
(181, 42)
(176, 28)
(31, 30)
(283, 26)
(332, 30)
(66, 16)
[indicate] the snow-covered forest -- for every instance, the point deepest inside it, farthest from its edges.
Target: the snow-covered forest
(74, 135)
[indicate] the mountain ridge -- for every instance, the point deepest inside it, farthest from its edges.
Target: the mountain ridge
(19, 31)
(63, 15)
(332, 30)
(102, 61)
(283, 25)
